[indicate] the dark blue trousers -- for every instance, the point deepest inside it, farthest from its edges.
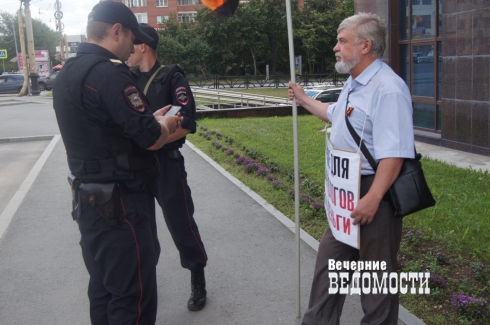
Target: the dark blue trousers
(174, 197)
(121, 262)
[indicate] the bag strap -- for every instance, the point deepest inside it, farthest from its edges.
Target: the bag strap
(151, 79)
(360, 143)
(365, 150)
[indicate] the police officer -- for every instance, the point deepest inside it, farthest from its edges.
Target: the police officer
(165, 85)
(106, 128)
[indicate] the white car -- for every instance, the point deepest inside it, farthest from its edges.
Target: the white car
(324, 95)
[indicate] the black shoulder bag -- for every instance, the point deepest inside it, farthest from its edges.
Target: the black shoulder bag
(410, 192)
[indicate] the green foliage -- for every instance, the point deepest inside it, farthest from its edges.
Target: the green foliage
(254, 37)
(44, 38)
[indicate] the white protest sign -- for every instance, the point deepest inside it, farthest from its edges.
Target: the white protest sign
(342, 184)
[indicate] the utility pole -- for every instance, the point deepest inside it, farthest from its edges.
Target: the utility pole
(30, 48)
(20, 20)
(58, 14)
(16, 49)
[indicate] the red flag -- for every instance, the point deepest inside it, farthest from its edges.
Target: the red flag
(224, 8)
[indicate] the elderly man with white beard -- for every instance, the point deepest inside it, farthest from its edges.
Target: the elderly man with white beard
(377, 103)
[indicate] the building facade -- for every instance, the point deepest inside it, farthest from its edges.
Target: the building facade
(442, 51)
(155, 12)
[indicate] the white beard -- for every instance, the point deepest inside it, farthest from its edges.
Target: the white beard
(345, 66)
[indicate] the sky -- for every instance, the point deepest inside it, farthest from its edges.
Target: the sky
(75, 12)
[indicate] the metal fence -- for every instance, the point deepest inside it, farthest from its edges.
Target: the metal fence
(263, 81)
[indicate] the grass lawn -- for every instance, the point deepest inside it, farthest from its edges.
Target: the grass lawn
(276, 92)
(451, 239)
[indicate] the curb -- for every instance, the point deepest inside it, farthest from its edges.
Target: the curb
(403, 314)
(27, 139)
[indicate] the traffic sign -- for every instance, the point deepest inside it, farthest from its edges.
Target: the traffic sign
(3, 54)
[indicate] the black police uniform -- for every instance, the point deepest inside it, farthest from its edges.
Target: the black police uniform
(171, 190)
(104, 124)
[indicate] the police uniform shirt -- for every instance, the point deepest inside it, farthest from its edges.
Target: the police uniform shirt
(381, 115)
(111, 96)
(180, 95)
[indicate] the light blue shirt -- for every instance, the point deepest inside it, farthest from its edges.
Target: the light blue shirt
(382, 115)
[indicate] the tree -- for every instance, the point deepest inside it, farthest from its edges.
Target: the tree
(254, 41)
(316, 31)
(197, 53)
(312, 32)
(44, 37)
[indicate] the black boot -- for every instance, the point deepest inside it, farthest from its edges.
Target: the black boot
(197, 301)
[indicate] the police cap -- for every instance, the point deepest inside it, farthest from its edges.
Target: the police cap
(150, 31)
(117, 12)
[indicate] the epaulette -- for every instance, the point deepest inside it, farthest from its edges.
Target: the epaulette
(116, 62)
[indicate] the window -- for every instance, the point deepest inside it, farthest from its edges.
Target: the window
(162, 3)
(186, 17)
(136, 3)
(188, 2)
(419, 58)
(162, 19)
(142, 18)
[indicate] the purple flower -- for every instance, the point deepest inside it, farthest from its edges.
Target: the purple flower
(269, 177)
(317, 205)
(216, 144)
(442, 259)
(224, 148)
(229, 152)
(435, 281)
(219, 135)
(208, 137)
(262, 171)
(291, 192)
(213, 131)
(251, 167)
(276, 184)
(204, 128)
(306, 198)
(242, 160)
(470, 306)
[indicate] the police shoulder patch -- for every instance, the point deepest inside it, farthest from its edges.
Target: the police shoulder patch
(182, 95)
(134, 99)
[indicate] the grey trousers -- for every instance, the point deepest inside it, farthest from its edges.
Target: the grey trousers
(380, 241)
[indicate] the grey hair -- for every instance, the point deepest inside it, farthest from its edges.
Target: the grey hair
(367, 26)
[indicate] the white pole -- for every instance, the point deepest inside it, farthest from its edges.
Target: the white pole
(296, 159)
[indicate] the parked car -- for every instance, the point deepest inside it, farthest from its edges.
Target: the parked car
(324, 95)
(11, 83)
(46, 83)
(418, 57)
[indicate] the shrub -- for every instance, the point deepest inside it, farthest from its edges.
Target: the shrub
(242, 160)
(317, 206)
(277, 184)
(470, 307)
(270, 178)
(262, 171)
(216, 144)
(251, 167)
(435, 281)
